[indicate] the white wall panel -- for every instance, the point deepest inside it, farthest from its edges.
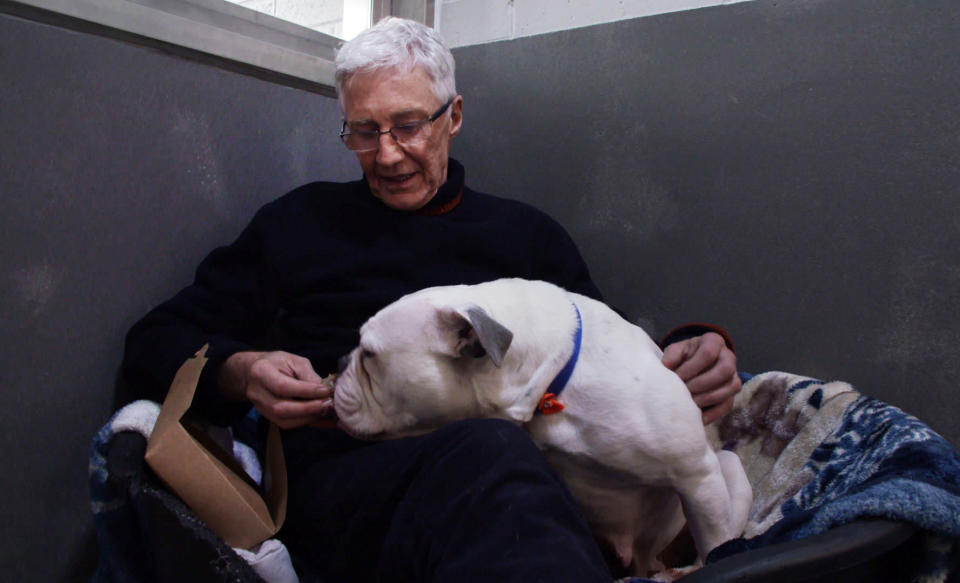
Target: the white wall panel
(471, 22)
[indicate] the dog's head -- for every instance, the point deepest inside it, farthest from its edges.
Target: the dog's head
(422, 361)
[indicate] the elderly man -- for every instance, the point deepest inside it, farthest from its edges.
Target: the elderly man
(473, 501)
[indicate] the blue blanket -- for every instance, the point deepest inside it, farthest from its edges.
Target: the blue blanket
(821, 454)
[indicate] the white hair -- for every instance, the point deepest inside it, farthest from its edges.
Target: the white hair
(402, 44)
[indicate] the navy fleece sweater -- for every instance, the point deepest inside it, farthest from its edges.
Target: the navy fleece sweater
(313, 265)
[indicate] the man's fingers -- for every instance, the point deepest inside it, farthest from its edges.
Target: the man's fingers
(674, 355)
(291, 388)
(701, 355)
(717, 411)
(718, 402)
(709, 369)
(279, 380)
(721, 372)
(288, 414)
(286, 390)
(303, 369)
(718, 395)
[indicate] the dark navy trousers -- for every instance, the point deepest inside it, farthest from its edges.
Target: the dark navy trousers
(473, 501)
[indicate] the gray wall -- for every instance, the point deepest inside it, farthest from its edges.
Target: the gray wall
(120, 168)
(790, 170)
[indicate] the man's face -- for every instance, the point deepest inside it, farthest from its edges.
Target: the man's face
(404, 177)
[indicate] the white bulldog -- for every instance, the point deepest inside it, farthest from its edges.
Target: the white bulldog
(629, 440)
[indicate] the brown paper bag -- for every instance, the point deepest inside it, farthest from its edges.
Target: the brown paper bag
(208, 478)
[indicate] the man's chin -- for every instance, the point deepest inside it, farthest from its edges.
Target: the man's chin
(405, 201)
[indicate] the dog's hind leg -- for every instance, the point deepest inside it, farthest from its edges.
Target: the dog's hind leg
(662, 520)
(623, 546)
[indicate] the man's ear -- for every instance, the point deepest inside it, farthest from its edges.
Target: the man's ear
(474, 333)
(456, 115)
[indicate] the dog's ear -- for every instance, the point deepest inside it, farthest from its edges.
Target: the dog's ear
(477, 334)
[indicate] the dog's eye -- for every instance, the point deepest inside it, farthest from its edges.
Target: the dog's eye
(368, 354)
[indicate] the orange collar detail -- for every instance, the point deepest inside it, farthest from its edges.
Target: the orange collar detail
(549, 404)
(441, 209)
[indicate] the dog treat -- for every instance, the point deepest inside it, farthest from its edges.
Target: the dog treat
(329, 381)
(330, 421)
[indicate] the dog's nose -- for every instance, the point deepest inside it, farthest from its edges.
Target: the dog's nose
(342, 363)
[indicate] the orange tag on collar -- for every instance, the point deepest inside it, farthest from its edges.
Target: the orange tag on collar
(549, 404)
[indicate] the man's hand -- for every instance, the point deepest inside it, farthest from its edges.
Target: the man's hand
(709, 368)
(282, 386)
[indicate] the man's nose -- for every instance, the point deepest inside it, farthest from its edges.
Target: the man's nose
(342, 363)
(390, 151)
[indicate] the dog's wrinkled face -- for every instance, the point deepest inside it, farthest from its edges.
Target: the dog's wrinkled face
(416, 366)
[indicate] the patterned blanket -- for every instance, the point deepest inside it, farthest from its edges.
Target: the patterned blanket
(820, 454)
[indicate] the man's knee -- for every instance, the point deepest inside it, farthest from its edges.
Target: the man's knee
(485, 495)
(486, 438)
(485, 450)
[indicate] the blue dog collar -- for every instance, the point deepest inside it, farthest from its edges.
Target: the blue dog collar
(548, 403)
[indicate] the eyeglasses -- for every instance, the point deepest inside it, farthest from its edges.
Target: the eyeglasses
(405, 134)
